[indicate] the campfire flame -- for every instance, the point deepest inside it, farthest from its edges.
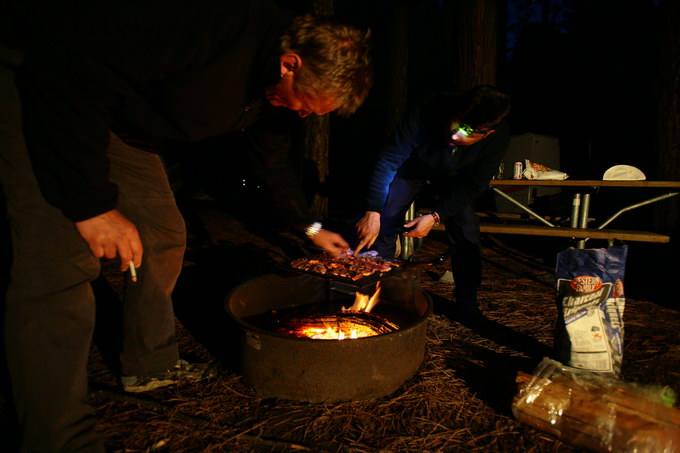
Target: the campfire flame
(343, 329)
(362, 302)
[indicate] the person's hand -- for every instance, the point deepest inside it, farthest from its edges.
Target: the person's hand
(330, 241)
(368, 228)
(109, 235)
(421, 226)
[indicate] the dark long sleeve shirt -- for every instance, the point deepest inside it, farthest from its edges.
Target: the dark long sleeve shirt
(155, 70)
(419, 149)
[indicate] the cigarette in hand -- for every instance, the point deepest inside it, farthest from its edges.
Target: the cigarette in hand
(133, 271)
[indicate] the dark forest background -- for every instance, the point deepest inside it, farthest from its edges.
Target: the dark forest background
(601, 76)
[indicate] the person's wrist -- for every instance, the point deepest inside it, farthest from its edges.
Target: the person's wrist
(437, 219)
(313, 229)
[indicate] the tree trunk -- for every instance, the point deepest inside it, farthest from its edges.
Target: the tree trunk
(668, 124)
(471, 43)
(316, 146)
(317, 129)
(396, 80)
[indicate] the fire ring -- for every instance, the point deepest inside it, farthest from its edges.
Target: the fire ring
(311, 370)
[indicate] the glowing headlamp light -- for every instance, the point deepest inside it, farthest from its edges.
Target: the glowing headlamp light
(465, 130)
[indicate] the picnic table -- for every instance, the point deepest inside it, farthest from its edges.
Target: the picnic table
(580, 207)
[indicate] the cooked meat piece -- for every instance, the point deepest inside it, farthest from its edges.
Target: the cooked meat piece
(346, 265)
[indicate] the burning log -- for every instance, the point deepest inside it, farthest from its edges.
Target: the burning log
(346, 324)
(595, 412)
(314, 321)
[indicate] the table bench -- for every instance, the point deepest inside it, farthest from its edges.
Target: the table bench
(592, 233)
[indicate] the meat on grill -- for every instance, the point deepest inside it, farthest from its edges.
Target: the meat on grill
(345, 264)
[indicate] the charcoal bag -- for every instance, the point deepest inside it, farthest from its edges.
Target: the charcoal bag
(590, 302)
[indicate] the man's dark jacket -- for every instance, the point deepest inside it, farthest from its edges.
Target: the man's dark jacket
(151, 70)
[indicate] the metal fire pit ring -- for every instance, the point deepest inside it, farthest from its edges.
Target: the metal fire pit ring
(301, 369)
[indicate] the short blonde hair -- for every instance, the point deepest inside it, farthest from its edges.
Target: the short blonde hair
(336, 60)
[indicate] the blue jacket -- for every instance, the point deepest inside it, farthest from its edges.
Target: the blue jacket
(419, 149)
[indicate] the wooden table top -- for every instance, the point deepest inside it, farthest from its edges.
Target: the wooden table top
(583, 183)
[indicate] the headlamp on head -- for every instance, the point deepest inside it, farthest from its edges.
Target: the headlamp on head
(466, 130)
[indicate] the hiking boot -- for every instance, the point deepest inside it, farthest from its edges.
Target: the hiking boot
(183, 371)
(468, 312)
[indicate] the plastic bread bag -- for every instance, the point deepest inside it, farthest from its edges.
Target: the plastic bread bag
(590, 304)
(598, 412)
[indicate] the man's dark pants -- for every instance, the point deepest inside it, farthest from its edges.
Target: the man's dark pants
(462, 229)
(50, 304)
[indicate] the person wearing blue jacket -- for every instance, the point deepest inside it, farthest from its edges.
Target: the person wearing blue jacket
(454, 142)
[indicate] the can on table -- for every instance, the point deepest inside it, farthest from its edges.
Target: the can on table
(517, 171)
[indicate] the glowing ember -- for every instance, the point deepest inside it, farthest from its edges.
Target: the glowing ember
(351, 331)
(349, 323)
(346, 325)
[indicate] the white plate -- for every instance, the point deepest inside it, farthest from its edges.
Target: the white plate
(623, 173)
